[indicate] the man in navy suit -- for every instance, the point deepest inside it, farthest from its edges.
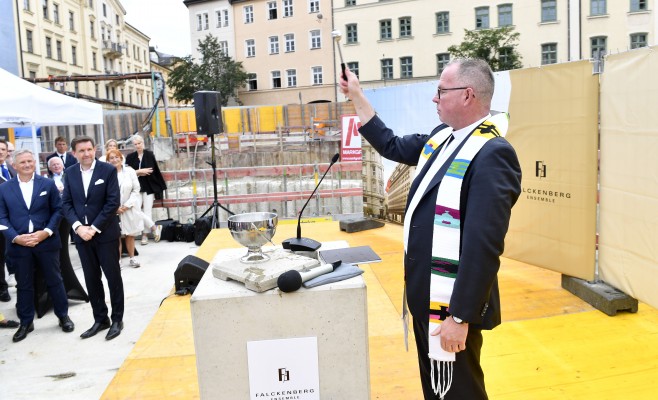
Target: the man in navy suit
(490, 186)
(30, 208)
(62, 152)
(6, 173)
(90, 201)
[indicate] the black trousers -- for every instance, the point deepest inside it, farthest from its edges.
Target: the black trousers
(468, 378)
(98, 259)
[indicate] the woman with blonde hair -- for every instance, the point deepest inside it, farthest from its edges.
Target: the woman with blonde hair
(129, 212)
(110, 144)
(151, 182)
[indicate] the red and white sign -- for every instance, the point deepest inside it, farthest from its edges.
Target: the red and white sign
(350, 145)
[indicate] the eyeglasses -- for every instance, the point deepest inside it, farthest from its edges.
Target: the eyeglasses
(439, 90)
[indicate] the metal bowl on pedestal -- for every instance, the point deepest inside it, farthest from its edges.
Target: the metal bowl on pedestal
(253, 230)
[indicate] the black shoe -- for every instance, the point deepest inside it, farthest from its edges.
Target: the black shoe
(8, 324)
(22, 332)
(66, 324)
(95, 328)
(4, 296)
(115, 330)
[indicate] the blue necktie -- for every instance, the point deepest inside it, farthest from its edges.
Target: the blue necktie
(5, 172)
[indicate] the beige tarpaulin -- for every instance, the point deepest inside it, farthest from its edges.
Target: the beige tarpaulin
(628, 250)
(553, 127)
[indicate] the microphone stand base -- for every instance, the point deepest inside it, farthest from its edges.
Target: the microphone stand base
(301, 244)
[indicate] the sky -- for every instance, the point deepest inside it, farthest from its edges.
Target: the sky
(166, 22)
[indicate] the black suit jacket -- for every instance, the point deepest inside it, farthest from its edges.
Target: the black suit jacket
(151, 184)
(491, 186)
(70, 160)
(99, 206)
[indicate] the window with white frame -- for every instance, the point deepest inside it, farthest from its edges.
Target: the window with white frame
(206, 21)
(548, 53)
(316, 72)
(271, 10)
(74, 55)
(442, 60)
(287, 9)
(291, 75)
(638, 40)
(443, 22)
(49, 47)
(638, 5)
(56, 13)
(352, 33)
(225, 17)
(354, 67)
(248, 13)
(314, 6)
(44, 6)
(385, 29)
(218, 19)
(406, 67)
(71, 21)
(30, 41)
(26, 5)
(252, 82)
(387, 68)
(505, 15)
(199, 22)
(250, 47)
(276, 79)
(316, 41)
(350, 3)
(405, 27)
(599, 45)
(598, 7)
(58, 49)
(92, 30)
(274, 45)
(482, 18)
(548, 10)
(290, 42)
(223, 47)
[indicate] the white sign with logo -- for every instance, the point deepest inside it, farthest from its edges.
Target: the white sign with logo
(350, 146)
(284, 369)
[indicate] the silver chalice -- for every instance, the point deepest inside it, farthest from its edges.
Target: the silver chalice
(253, 230)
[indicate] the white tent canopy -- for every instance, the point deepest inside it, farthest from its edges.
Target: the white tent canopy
(25, 104)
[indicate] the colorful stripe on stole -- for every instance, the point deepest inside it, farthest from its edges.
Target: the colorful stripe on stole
(446, 217)
(429, 148)
(438, 312)
(444, 267)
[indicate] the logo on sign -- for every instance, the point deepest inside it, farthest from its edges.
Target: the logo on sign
(351, 139)
(284, 375)
(540, 169)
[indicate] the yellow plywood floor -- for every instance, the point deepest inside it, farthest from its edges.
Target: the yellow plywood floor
(551, 344)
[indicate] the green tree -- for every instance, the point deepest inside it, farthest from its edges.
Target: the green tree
(497, 46)
(216, 71)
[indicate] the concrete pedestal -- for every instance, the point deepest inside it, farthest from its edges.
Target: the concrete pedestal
(226, 315)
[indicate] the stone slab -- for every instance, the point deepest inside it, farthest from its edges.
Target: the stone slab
(600, 295)
(226, 316)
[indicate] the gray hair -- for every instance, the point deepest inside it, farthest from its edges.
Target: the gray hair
(51, 160)
(476, 73)
(22, 151)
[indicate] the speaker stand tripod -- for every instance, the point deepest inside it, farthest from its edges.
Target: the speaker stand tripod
(215, 206)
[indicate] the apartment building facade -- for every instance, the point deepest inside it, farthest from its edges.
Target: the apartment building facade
(286, 46)
(90, 37)
(373, 182)
(411, 38)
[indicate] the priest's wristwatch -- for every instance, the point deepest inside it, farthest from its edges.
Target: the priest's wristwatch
(457, 320)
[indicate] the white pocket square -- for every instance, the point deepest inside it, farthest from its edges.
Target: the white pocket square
(43, 193)
(98, 182)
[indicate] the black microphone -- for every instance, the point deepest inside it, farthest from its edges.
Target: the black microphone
(305, 244)
(292, 280)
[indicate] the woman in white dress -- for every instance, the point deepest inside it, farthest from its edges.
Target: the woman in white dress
(129, 212)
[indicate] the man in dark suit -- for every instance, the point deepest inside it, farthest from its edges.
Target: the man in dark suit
(30, 208)
(90, 203)
(62, 152)
(6, 173)
(480, 209)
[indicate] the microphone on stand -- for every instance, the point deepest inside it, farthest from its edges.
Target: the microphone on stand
(305, 244)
